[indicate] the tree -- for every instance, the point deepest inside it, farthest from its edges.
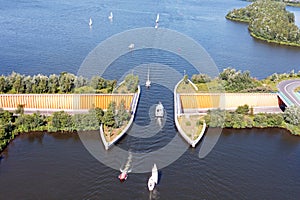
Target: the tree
(242, 109)
(20, 109)
(17, 86)
(215, 118)
(53, 84)
(201, 78)
(109, 116)
(42, 84)
(99, 113)
(292, 115)
(3, 84)
(66, 82)
(131, 82)
(186, 79)
(61, 121)
(122, 115)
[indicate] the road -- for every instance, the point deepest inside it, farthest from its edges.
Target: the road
(287, 88)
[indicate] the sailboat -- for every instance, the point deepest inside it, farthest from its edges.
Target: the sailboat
(157, 18)
(148, 82)
(110, 17)
(91, 22)
(153, 179)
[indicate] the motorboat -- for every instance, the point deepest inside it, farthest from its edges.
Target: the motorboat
(159, 110)
(153, 180)
(123, 176)
(124, 172)
(148, 82)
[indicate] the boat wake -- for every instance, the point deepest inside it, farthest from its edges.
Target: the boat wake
(127, 168)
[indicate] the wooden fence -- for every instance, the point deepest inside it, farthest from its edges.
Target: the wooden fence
(62, 101)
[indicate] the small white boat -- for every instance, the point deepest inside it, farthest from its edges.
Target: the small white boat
(155, 173)
(148, 82)
(131, 46)
(90, 22)
(110, 17)
(156, 25)
(159, 110)
(153, 179)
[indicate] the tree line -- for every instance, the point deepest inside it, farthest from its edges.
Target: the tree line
(243, 117)
(230, 80)
(16, 83)
(269, 20)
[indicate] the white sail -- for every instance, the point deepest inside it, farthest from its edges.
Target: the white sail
(148, 82)
(110, 16)
(157, 18)
(91, 22)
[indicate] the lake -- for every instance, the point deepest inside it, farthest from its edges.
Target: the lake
(53, 36)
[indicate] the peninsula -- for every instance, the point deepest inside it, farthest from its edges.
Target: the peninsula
(269, 21)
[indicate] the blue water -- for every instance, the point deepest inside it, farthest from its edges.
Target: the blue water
(51, 36)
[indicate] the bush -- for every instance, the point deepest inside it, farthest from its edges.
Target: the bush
(242, 109)
(292, 115)
(199, 123)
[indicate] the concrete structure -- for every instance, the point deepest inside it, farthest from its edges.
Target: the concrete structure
(67, 102)
(178, 112)
(133, 107)
(201, 102)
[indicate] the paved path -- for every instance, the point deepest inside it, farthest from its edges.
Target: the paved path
(287, 88)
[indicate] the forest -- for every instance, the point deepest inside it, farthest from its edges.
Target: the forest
(270, 21)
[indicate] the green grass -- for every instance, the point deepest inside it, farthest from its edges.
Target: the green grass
(191, 126)
(185, 88)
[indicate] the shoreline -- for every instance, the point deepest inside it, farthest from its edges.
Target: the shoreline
(261, 38)
(5, 150)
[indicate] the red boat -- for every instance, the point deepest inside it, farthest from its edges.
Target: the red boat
(123, 176)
